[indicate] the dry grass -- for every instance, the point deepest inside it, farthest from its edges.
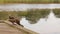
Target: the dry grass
(28, 1)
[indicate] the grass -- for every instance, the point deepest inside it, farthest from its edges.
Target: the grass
(29, 1)
(1, 1)
(26, 1)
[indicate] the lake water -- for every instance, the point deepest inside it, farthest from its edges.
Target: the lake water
(43, 26)
(51, 26)
(18, 7)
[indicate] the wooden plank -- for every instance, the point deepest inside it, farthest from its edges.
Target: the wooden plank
(24, 30)
(5, 29)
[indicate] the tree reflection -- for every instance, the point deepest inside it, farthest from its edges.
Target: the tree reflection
(35, 14)
(57, 12)
(32, 15)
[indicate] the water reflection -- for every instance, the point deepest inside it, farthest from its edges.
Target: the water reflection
(57, 12)
(35, 14)
(18, 7)
(43, 26)
(51, 26)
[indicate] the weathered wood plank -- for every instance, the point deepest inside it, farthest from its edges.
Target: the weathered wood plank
(24, 30)
(5, 29)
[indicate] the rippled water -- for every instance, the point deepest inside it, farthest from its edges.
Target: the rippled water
(51, 26)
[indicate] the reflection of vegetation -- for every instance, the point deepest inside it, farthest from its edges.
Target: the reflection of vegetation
(12, 13)
(3, 15)
(57, 12)
(22, 13)
(32, 15)
(35, 14)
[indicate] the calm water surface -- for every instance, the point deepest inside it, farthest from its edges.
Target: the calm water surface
(18, 7)
(51, 26)
(43, 26)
